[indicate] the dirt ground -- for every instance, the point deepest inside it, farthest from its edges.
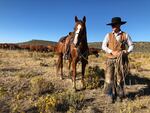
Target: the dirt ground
(28, 82)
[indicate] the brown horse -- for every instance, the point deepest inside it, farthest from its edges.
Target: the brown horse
(78, 49)
(94, 51)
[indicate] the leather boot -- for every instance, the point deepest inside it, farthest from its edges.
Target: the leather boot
(120, 92)
(108, 92)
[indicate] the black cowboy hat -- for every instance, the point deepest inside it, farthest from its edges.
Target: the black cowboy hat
(116, 20)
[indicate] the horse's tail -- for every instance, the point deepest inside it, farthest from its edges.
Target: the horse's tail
(59, 63)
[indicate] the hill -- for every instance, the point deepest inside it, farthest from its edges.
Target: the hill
(95, 44)
(138, 46)
(45, 42)
(142, 47)
(38, 42)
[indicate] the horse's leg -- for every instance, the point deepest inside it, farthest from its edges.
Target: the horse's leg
(60, 65)
(69, 66)
(83, 72)
(74, 73)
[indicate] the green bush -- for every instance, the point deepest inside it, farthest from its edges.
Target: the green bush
(93, 77)
(61, 102)
(40, 86)
(47, 104)
(3, 91)
(136, 65)
(70, 101)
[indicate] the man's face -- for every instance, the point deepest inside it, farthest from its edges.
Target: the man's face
(116, 27)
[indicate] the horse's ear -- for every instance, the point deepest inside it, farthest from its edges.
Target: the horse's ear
(76, 18)
(84, 19)
(70, 33)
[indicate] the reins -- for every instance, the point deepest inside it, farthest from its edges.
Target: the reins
(121, 67)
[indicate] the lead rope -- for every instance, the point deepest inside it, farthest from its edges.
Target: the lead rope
(121, 67)
(82, 55)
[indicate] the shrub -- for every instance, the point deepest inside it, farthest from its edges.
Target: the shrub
(29, 73)
(40, 86)
(70, 101)
(3, 91)
(136, 65)
(46, 104)
(61, 102)
(93, 77)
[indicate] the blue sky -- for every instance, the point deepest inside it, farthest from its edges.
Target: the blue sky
(24, 20)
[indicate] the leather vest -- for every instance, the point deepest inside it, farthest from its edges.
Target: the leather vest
(115, 45)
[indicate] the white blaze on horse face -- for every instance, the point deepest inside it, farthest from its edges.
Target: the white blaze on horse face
(76, 34)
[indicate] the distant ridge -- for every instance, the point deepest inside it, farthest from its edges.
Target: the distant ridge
(38, 42)
(95, 44)
(138, 46)
(142, 47)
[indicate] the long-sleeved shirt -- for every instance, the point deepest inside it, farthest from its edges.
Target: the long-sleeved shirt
(117, 36)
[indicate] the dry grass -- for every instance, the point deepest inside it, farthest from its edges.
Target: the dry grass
(28, 83)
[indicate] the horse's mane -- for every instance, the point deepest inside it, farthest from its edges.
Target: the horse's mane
(85, 39)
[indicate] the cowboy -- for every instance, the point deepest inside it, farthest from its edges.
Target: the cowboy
(114, 44)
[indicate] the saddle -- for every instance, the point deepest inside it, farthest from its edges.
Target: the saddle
(68, 43)
(62, 39)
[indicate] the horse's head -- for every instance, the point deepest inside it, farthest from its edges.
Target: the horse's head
(79, 30)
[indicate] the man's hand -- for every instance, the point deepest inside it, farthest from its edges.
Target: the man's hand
(116, 53)
(126, 52)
